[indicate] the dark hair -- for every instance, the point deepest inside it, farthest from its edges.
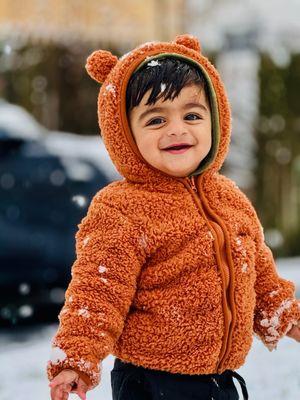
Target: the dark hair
(175, 73)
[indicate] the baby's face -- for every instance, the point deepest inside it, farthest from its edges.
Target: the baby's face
(185, 120)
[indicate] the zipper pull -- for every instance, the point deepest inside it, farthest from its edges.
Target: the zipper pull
(192, 183)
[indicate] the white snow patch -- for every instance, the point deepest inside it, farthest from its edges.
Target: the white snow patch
(244, 267)
(273, 323)
(57, 355)
(85, 240)
(110, 88)
(143, 240)
(274, 320)
(238, 241)
(240, 247)
(264, 322)
(102, 269)
(175, 313)
(84, 312)
(211, 235)
(153, 63)
(64, 310)
(272, 331)
(86, 364)
(163, 87)
(271, 338)
(285, 304)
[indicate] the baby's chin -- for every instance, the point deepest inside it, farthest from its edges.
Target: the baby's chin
(179, 174)
(173, 169)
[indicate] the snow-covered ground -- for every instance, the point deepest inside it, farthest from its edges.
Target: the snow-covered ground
(24, 353)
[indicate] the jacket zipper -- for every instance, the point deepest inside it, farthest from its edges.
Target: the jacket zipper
(191, 182)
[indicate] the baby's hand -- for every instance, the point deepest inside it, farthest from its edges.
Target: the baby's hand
(294, 332)
(65, 382)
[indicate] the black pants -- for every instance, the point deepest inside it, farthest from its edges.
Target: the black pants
(131, 382)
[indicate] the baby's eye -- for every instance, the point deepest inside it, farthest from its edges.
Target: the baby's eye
(152, 122)
(193, 115)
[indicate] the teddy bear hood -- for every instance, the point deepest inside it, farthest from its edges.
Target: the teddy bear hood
(113, 74)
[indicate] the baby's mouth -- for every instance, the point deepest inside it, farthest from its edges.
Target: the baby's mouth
(179, 149)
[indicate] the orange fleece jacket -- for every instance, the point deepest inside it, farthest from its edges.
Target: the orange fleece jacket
(171, 273)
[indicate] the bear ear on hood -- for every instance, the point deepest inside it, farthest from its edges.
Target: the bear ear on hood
(99, 64)
(188, 41)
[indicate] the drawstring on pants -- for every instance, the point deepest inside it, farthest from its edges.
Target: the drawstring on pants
(242, 383)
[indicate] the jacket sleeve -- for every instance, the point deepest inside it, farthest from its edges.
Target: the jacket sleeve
(102, 287)
(276, 309)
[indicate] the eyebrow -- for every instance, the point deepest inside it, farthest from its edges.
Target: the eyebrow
(159, 109)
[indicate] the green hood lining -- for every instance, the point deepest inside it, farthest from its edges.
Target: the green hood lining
(213, 106)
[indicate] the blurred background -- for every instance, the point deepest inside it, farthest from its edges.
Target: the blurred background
(53, 160)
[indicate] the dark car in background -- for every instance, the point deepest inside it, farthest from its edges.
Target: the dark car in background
(47, 180)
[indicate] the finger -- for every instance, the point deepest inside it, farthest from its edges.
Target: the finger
(65, 396)
(66, 389)
(82, 389)
(52, 394)
(56, 393)
(61, 393)
(81, 394)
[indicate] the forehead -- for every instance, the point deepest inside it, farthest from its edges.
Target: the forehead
(188, 93)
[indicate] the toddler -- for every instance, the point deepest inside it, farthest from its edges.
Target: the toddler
(172, 275)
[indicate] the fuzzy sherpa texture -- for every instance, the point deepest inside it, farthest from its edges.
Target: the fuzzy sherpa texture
(171, 273)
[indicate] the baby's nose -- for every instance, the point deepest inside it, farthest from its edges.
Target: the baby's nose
(177, 129)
